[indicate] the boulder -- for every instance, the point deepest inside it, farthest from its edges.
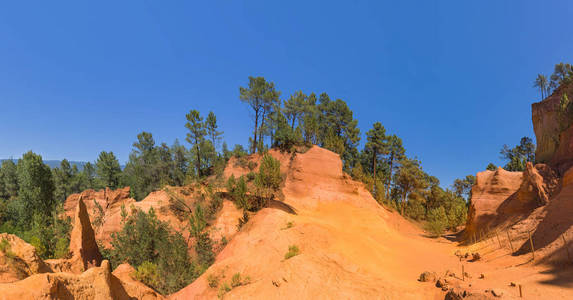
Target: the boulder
(427, 277)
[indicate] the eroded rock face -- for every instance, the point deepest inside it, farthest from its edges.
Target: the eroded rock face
(104, 209)
(123, 275)
(490, 190)
(502, 195)
(96, 283)
(554, 131)
(83, 246)
(19, 259)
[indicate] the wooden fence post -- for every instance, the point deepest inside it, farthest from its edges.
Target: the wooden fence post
(566, 247)
(463, 273)
(531, 244)
(509, 239)
(520, 292)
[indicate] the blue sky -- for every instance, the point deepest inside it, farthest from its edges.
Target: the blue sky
(453, 79)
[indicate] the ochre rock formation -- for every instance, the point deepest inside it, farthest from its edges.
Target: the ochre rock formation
(19, 259)
(350, 246)
(107, 220)
(553, 130)
(122, 275)
(490, 190)
(97, 283)
(83, 245)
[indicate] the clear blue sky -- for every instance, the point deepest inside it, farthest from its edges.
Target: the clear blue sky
(453, 79)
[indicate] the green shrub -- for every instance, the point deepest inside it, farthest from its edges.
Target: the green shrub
(146, 239)
(268, 179)
(213, 280)
(204, 249)
(251, 165)
(243, 220)
(223, 289)
(4, 245)
(148, 273)
(236, 280)
(251, 176)
(238, 191)
(61, 250)
(437, 221)
(292, 251)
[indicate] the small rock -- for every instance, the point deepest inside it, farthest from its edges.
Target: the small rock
(277, 284)
(481, 276)
(467, 275)
(497, 292)
(512, 284)
(442, 283)
(476, 256)
(427, 277)
(453, 295)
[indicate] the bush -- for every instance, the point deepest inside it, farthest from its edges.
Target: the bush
(292, 251)
(238, 191)
(437, 221)
(223, 289)
(251, 165)
(243, 220)
(213, 280)
(147, 272)
(236, 280)
(204, 249)
(251, 176)
(144, 239)
(415, 208)
(268, 179)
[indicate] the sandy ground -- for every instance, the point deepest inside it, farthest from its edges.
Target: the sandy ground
(353, 248)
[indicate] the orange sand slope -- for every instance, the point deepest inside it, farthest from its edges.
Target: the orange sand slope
(350, 247)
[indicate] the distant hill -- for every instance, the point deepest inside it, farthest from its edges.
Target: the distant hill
(55, 163)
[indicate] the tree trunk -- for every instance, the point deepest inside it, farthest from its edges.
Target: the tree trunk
(374, 170)
(261, 137)
(198, 158)
(254, 146)
(388, 181)
(293, 119)
(403, 202)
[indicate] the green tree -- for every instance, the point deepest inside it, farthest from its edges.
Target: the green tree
(108, 170)
(260, 96)
(268, 179)
(88, 177)
(409, 178)
(542, 84)
(211, 127)
(295, 107)
(561, 73)
(63, 180)
(519, 155)
(491, 167)
(145, 239)
(396, 152)
(377, 144)
(180, 163)
(463, 187)
(310, 122)
(196, 135)
(10, 178)
(36, 188)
